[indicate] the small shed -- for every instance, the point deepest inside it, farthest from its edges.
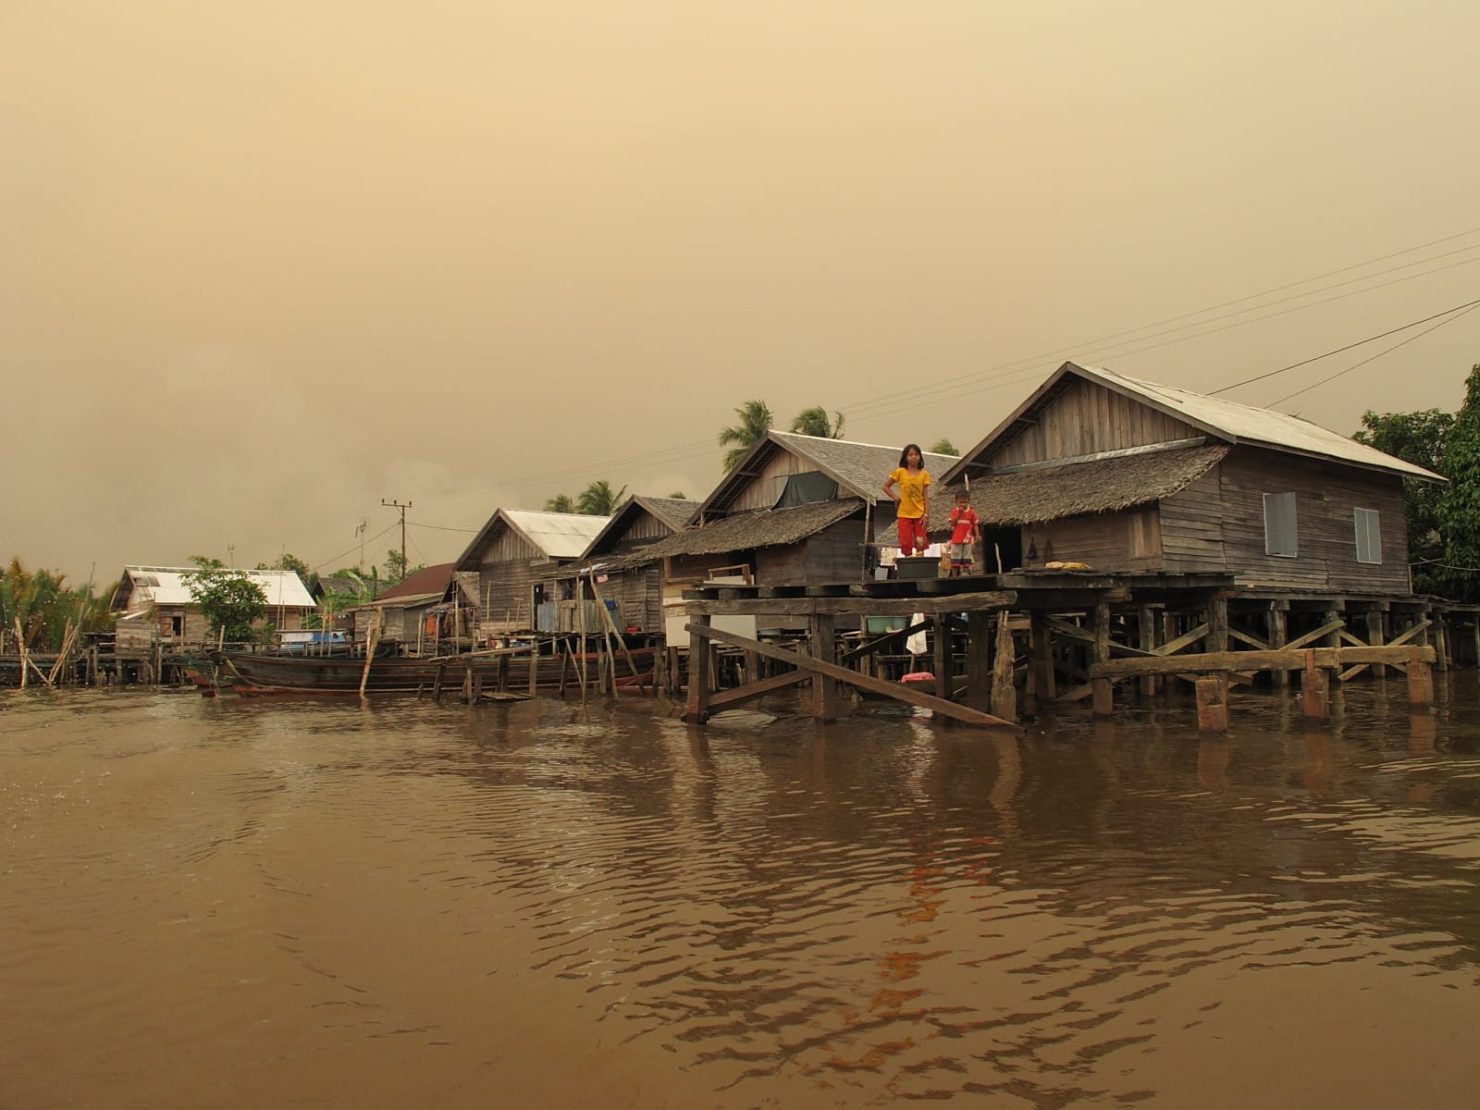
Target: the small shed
(1124, 474)
(516, 556)
(426, 611)
(155, 606)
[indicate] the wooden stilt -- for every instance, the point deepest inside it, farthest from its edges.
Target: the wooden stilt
(1218, 623)
(1212, 703)
(979, 659)
(534, 666)
(1315, 701)
(1103, 691)
(1279, 633)
(1040, 661)
(824, 648)
(1004, 691)
(697, 709)
(1420, 680)
(941, 644)
(503, 674)
(1146, 641)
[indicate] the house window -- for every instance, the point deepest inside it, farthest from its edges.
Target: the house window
(1369, 536)
(1279, 525)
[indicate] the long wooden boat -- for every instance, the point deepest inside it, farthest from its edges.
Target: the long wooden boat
(263, 673)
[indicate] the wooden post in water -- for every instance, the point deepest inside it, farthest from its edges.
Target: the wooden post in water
(1279, 635)
(1420, 680)
(534, 665)
(979, 660)
(697, 709)
(824, 649)
(1040, 658)
(503, 674)
(1004, 692)
(1102, 689)
(1315, 700)
(1218, 623)
(1375, 637)
(941, 645)
(1212, 703)
(1146, 641)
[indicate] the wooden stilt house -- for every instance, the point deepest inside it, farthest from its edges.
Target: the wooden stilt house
(1123, 474)
(154, 606)
(427, 612)
(796, 510)
(516, 556)
(634, 588)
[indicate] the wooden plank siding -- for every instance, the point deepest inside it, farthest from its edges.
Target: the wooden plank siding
(1085, 419)
(1326, 495)
(1192, 527)
(762, 491)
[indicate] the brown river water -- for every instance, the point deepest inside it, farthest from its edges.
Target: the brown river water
(227, 903)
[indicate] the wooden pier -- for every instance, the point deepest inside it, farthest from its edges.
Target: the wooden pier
(1052, 639)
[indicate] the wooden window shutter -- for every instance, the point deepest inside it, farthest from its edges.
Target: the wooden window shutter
(1279, 525)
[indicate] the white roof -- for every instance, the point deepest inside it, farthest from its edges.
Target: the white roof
(166, 586)
(559, 535)
(1246, 424)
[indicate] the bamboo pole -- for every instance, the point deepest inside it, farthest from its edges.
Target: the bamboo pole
(370, 643)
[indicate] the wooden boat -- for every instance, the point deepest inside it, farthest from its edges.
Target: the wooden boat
(264, 673)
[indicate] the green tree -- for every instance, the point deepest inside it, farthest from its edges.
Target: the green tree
(597, 499)
(230, 601)
(1459, 505)
(560, 503)
(814, 422)
(395, 566)
(679, 495)
(1420, 438)
(44, 605)
(943, 446)
(755, 422)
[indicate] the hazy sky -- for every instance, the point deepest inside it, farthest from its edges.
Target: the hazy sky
(262, 265)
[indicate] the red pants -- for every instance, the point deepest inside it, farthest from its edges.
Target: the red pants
(912, 535)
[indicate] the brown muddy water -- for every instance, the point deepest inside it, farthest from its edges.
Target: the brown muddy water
(236, 904)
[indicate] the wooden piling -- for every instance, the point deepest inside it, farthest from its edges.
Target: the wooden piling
(1004, 692)
(696, 710)
(1420, 680)
(1278, 628)
(1103, 691)
(979, 659)
(1315, 687)
(1212, 703)
(941, 644)
(1040, 659)
(823, 649)
(1146, 641)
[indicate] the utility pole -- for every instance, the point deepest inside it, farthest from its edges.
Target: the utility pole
(394, 504)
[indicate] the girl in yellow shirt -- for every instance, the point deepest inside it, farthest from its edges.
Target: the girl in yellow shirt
(911, 500)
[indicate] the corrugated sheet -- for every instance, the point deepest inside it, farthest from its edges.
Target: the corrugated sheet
(1260, 427)
(860, 466)
(558, 535)
(166, 586)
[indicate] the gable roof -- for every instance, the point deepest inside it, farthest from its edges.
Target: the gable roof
(428, 580)
(1076, 489)
(749, 530)
(1228, 421)
(673, 512)
(858, 468)
(166, 586)
(554, 535)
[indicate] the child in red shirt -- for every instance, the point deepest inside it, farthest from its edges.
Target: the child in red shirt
(965, 532)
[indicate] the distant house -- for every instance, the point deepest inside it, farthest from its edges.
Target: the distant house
(1124, 474)
(795, 510)
(155, 606)
(634, 587)
(426, 611)
(515, 556)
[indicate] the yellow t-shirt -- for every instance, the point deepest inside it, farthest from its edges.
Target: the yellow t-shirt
(911, 491)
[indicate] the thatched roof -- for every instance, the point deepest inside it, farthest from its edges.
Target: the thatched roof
(747, 531)
(1076, 489)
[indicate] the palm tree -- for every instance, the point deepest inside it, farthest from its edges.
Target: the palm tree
(597, 499)
(560, 503)
(944, 446)
(755, 422)
(814, 422)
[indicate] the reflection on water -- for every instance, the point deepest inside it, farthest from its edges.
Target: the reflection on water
(225, 903)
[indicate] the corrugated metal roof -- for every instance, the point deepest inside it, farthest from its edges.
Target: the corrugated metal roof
(558, 535)
(432, 579)
(1247, 424)
(166, 586)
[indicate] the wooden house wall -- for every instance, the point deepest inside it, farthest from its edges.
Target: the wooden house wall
(505, 591)
(639, 596)
(1326, 495)
(645, 529)
(762, 491)
(1103, 540)
(1085, 419)
(696, 568)
(836, 553)
(1192, 527)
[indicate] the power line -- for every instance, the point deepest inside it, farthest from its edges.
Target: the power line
(1387, 351)
(351, 551)
(1339, 350)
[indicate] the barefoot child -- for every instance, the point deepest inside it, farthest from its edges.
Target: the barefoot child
(965, 534)
(912, 501)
